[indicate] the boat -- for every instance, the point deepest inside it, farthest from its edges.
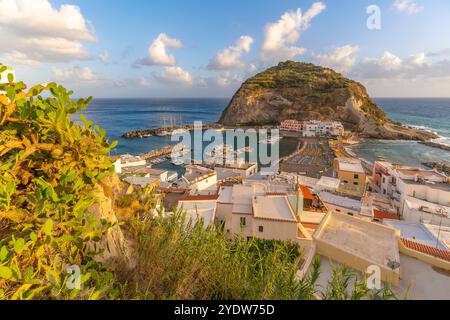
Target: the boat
(179, 131)
(271, 140)
(177, 162)
(163, 134)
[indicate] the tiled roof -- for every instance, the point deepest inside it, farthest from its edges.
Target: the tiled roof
(200, 198)
(276, 194)
(441, 254)
(384, 215)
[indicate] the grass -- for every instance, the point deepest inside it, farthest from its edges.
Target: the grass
(175, 260)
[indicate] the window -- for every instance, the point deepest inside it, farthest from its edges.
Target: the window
(350, 214)
(243, 222)
(356, 183)
(356, 176)
(384, 180)
(338, 210)
(345, 181)
(261, 229)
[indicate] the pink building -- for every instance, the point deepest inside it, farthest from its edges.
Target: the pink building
(292, 125)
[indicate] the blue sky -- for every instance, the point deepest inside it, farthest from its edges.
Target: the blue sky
(178, 48)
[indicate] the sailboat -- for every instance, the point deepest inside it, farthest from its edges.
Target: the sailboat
(164, 132)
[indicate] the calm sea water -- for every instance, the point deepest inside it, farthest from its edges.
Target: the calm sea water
(118, 116)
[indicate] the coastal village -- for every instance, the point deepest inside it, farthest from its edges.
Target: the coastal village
(324, 199)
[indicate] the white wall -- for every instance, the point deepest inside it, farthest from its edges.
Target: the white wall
(275, 230)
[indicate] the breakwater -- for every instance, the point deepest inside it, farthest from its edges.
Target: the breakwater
(167, 130)
(436, 145)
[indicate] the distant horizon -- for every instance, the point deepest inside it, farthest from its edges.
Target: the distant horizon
(229, 98)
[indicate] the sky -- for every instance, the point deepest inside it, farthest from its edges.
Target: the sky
(198, 48)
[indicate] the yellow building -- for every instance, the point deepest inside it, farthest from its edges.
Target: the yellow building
(351, 174)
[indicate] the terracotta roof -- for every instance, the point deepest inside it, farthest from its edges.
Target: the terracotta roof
(200, 198)
(441, 254)
(307, 195)
(384, 215)
(174, 190)
(276, 194)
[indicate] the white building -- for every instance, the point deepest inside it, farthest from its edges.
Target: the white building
(240, 169)
(418, 195)
(199, 208)
(250, 211)
(128, 160)
(327, 184)
(337, 203)
(200, 180)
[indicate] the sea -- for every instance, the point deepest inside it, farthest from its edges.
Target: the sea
(118, 116)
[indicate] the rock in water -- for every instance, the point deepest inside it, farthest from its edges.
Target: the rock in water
(303, 91)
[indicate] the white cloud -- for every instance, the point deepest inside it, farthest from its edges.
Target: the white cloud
(158, 53)
(230, 58)
(104, 57)
(18, 58)
(75, 74)
(143, 82)
(175, 75)
(390, 66)
(280, 37)
(227, 79)
(37, 32)
(340, 59)
(407, 6)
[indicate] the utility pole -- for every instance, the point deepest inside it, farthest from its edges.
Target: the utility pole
(441, 213)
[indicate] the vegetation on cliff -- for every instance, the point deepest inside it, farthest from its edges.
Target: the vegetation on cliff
(311, 92)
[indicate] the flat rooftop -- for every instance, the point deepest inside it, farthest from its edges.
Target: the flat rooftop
(199, 210)
(372, 242)
(329, 183)
(273, 208)
(141, 181)
(340, 201)
(194, 173)
(416, 232)
(433, 185)
(375, 201)
(443, 233)
(419, 280)
(350, 165)
(426, 174)
(431, 207)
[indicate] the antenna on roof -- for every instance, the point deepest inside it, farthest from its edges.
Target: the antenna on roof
(394, 265)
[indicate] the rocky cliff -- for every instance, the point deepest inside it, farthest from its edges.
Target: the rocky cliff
(303, 91)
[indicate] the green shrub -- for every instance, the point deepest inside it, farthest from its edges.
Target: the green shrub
(48, 167)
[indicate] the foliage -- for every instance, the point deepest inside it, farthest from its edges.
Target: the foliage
(345, 285)
(192, 261)
(48, 166)
(180, 260)
(315, 91)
